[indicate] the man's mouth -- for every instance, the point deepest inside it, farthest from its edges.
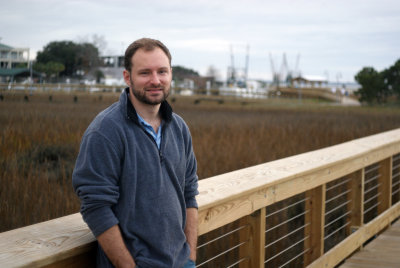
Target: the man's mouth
(158, 87)
(154, 90)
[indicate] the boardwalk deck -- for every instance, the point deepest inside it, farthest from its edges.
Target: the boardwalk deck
(382, 252)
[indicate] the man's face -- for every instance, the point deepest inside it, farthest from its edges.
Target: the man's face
(150, 76)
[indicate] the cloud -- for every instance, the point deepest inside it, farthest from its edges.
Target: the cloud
(331, 36)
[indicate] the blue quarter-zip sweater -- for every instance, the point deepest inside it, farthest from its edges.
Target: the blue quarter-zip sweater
(123, 178)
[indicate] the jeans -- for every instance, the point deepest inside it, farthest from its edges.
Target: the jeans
(188, 264)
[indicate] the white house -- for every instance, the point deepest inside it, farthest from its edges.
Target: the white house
(11, 57)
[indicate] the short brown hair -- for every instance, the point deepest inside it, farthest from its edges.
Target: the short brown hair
(147, 44)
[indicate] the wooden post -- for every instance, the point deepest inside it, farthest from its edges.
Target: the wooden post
(315, 222)
(254, 249)
(385, 185)
(356, 206)
(395, 175)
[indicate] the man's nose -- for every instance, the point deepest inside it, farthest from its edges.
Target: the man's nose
(155, 79)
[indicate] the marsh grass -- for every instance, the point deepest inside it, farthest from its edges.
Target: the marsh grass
(40, 140)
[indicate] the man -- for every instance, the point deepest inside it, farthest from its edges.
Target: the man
(136, 171)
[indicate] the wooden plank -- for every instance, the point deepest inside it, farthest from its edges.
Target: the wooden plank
(315, 218)
(361, 265)
(356, 195)
(242, 205)
(379, 259)
(255, 235)
(228, 197)
(370, 264)
(353, 242)
(381, 252)
(214, 189)
(395, 178)
(385, 185)
(46, 243)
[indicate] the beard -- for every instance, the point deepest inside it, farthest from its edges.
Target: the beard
(141, 94)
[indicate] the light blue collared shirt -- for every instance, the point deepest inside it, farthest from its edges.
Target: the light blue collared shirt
(150, 130)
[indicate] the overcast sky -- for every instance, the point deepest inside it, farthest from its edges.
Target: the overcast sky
(334, 38)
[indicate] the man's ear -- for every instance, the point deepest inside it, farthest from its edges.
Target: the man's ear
(127, 77)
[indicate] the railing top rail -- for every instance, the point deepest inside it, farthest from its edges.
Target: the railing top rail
(45, 243)
(360, 152)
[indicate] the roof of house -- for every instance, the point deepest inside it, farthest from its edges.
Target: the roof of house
(3, 46)
(17, 71)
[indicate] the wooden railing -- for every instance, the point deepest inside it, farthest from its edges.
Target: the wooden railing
(312, 209)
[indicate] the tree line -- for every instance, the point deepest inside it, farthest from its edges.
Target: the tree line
(379, 87)
(68, 59)
(76, 60)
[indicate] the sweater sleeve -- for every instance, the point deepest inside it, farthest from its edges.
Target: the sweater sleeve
(191, 179)
(95, 180)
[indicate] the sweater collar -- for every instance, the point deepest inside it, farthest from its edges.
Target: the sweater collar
(165, 109)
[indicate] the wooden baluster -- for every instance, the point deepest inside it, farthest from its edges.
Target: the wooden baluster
(254, 249)
(385, 185)
(395, 174)
(315, 218)
(356, 206)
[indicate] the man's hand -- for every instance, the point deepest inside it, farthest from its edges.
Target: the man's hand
(114, 247)
(191, 231)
